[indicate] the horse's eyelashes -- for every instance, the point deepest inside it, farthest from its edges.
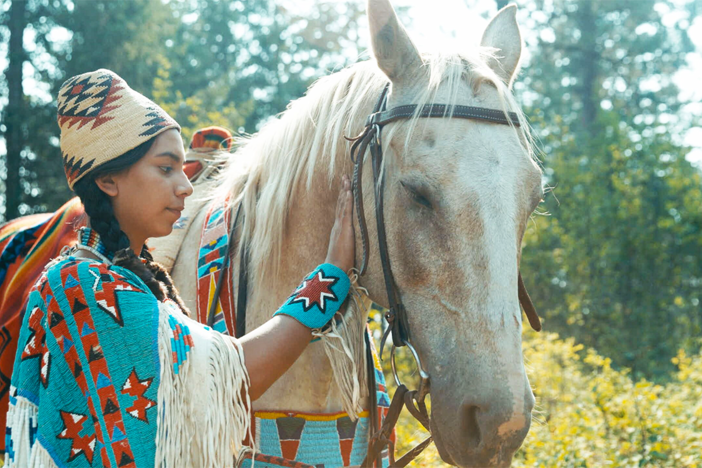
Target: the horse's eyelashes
(417, 195)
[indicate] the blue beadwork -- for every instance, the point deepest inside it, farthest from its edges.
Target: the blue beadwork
(319, 297)
(181, 342)
(90, 238)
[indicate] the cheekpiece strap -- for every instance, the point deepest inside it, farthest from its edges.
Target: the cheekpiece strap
(319, 297)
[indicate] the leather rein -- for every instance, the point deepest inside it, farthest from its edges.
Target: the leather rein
(396, 315)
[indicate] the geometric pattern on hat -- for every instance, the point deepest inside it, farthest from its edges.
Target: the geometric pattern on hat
(211, 139)
(101, 118)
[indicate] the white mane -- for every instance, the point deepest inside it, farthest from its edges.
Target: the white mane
(309, 136)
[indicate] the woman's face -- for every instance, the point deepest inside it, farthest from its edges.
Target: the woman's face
(149, 196)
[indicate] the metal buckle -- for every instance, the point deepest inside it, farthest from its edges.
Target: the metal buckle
(423, 389)
(376, 129)
(373, 119)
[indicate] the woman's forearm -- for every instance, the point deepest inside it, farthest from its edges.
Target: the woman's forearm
(271, 349)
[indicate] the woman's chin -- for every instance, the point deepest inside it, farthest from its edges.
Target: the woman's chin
(165, 232)
(162, 231)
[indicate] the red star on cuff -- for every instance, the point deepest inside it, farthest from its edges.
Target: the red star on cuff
(316, 290)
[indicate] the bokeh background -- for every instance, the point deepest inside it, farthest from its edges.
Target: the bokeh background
(612, 258)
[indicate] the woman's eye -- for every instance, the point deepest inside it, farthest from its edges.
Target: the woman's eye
(166, 169)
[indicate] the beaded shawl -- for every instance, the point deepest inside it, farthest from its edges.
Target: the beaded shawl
(106, 375)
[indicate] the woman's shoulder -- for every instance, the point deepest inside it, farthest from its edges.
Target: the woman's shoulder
(70, 272)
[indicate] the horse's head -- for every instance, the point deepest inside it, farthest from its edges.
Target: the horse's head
(458, 195)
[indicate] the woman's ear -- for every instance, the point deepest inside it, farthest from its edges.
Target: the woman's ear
(107, 184)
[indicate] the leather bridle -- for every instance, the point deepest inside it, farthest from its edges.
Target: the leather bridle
(396, 315)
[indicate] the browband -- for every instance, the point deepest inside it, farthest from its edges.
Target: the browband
(443, 110)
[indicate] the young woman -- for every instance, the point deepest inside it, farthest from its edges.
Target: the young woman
(110, 371)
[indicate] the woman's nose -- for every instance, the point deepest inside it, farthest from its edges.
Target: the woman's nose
(185, 188)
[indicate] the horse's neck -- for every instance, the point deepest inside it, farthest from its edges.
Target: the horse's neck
(307, 386)
(310, 219)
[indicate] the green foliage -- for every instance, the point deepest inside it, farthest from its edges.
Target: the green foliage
(590, 415)
(615, 261)
(201, 109)
(265, 51)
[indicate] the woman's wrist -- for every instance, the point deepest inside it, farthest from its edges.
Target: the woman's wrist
(315, 302)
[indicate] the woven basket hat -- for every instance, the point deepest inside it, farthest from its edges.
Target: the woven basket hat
(101, 118)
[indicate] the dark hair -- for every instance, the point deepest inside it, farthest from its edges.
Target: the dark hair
(98, 207)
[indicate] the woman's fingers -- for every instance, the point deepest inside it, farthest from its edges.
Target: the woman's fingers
(343, 202)
(341, 241)
(340, 204)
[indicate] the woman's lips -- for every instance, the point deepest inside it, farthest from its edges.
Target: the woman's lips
(175, 211)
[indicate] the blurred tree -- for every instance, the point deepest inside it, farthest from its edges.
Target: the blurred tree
(615, 263)
(206, 61)
(126, 37)
(267, 52)
(14, 111)
(26, 118)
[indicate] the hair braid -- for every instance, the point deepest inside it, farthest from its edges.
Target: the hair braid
(102, 217)
(161, 275)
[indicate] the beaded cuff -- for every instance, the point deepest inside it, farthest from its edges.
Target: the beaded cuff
(319, 297)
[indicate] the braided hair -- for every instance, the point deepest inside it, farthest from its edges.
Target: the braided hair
(99, 209)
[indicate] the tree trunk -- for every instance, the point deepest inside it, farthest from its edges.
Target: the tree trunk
(589, 66)
(14, 139)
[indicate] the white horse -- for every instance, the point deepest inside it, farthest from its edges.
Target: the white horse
(458, 194)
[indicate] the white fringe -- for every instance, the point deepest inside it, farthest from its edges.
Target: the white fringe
(21, 417)
(204, 409)
(40, 457)
(344, 346)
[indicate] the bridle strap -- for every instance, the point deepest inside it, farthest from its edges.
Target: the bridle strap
(243, 288)
(528, 306)
(403, 398)
(372, 396)
(358, 150)
(442, 110)
(395, 315)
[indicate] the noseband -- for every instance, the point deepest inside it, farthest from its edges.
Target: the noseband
(396, 315)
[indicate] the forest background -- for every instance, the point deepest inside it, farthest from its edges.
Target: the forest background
(613, 257)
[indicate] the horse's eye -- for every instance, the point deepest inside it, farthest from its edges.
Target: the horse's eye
(417, 195)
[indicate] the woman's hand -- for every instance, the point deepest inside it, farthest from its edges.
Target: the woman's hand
(341, 241)
(273, 347)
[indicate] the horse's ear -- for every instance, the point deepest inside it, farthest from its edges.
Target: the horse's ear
(503, 34)
(392, 47)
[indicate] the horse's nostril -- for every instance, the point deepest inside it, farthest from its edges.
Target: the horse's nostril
(470, 426)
